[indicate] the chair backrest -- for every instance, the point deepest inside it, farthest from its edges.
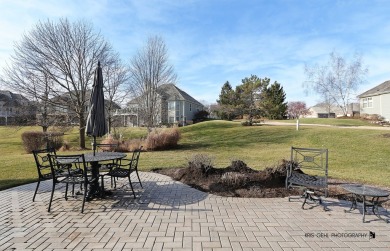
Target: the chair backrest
(67, 165)
(135, 158)
(312, 161)
(42, 162)
(106, 147)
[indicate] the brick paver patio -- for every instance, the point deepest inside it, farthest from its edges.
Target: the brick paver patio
(168, 215)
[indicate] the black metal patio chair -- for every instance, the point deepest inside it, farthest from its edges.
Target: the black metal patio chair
(74, 164)
(43, 167)
(125, 167)
(104, 168)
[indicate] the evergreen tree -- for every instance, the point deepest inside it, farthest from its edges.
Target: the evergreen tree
(226, 101)
(274, 101)
(249, 96)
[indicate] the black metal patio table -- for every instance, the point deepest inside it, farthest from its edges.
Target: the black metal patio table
(361, 192)
(94, 159)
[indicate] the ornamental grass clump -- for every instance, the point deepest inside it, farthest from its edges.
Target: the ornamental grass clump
(163, 139)
(234, 179)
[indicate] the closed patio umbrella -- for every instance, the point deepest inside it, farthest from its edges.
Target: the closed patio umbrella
(96, 120)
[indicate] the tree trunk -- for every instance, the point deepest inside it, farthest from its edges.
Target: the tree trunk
(82, 131)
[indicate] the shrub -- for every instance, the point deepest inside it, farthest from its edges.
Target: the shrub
(246, 123)
(134, 144)
(130, 145)
(162, 139)
(371, 117)
(234, 179)
(65, 147)
(109, 140)
(34, 140)
(56, 139)
(200, 116)
(201, 161)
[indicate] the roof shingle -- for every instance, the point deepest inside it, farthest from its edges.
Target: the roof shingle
(377, 90)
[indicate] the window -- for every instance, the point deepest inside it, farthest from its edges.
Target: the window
(171, 106)
(367, 102)
(190, 107)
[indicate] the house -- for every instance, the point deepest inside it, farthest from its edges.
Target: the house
(376, 101)
(324, 111)
(175, 107)
(14, 108)
(331, 111)
(59, 109)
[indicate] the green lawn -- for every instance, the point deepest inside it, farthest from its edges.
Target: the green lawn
(331, 121)
(355, 155)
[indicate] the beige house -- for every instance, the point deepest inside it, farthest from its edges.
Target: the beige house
(332, 111)
(324, 111)
(376, 101)
(175, 107)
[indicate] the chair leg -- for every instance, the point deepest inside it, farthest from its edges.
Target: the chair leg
(114, 183)
(36, 190)
(73, 190)
(84, 197)
(51, 197)
(136, 171)
(131, 186)
(66, 191)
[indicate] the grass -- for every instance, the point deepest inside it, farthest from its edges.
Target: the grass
(354, 155)
(332, 121)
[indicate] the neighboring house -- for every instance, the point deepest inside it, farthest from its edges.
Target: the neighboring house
(376, 101)
(175, 107)
(14, 108)
(324, 111)
(333, 111)
(59, 110)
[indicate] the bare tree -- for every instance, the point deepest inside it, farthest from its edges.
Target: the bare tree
(149, 69)
(35, 86)
(336, 80)
(66, 54)
(116, 75)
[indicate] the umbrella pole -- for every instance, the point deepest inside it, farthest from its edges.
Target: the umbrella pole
(94, 145)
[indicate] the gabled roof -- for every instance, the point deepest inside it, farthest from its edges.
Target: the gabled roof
(320, 108)
(12, 98)
(64, 99)
(171, 92)
(377, 90)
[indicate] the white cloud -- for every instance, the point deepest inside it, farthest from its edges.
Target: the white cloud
(211, 42)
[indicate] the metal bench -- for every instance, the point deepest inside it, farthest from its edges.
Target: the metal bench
(308, 170)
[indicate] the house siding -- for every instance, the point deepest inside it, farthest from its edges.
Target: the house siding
(174, 106)
(380, 106)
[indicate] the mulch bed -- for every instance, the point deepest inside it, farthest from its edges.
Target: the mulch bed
(239, 180)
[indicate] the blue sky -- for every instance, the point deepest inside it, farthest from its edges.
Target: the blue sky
(213, 41)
